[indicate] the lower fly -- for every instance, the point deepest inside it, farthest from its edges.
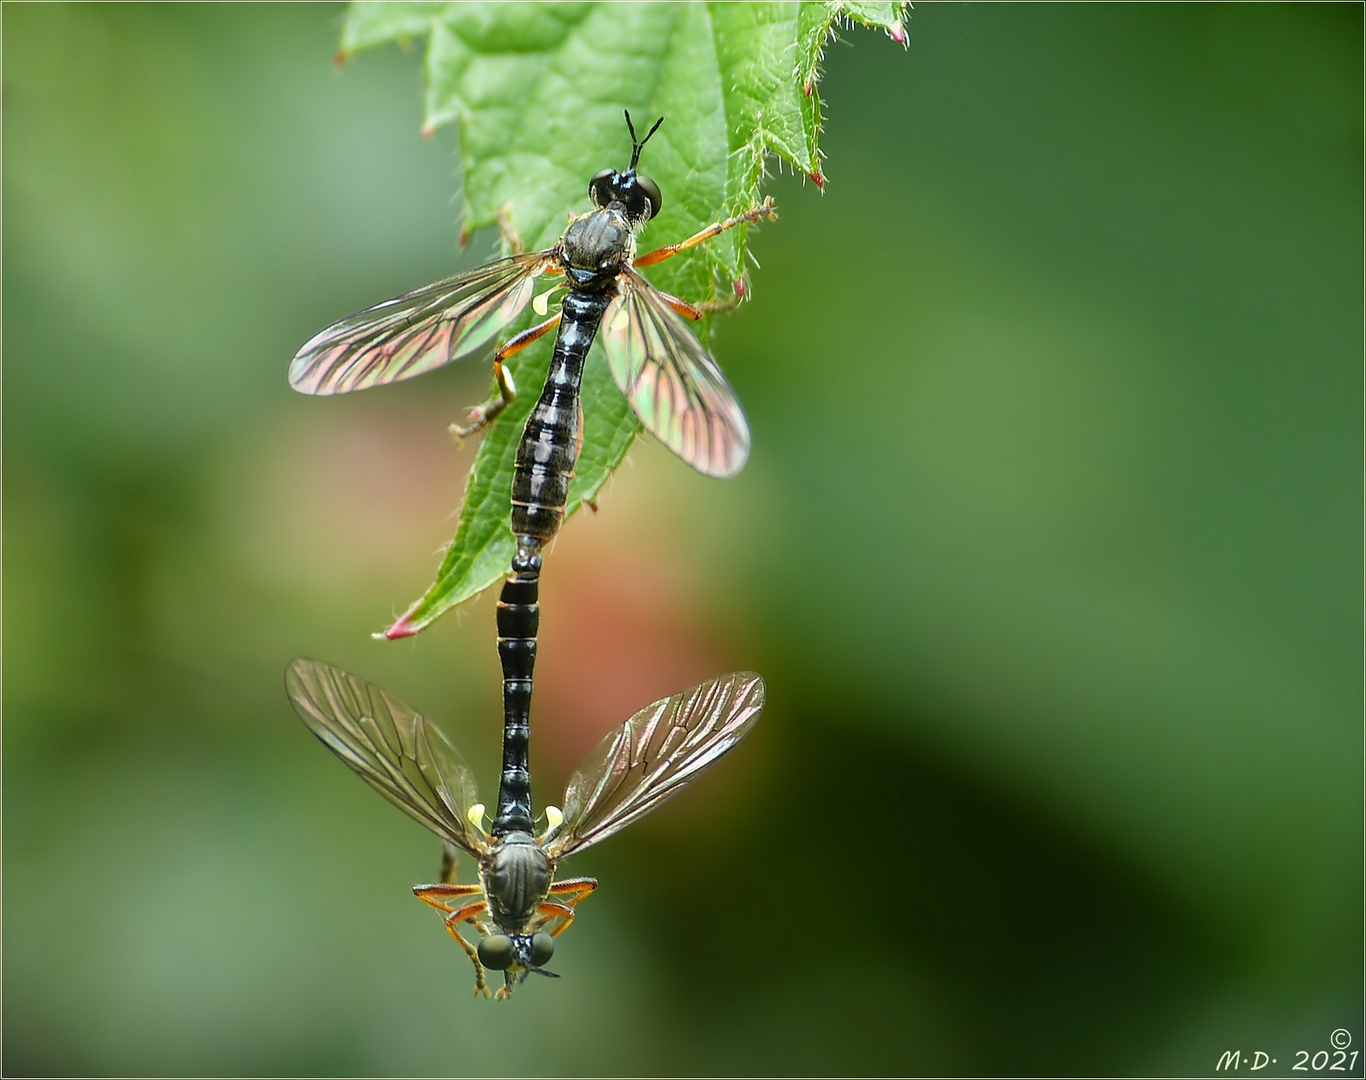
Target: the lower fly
(517, 907)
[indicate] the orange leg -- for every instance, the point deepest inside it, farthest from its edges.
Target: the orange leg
(697, 311)
(550, 909)
(433, 894)
(577, 889)
(579, 886)
(687, 310)
(750, 216)
(483, 415)
(437, 894)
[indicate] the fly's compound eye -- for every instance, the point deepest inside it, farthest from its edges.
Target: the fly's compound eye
(542, 948)
(601, 188)
(495, 952)
(654, 201)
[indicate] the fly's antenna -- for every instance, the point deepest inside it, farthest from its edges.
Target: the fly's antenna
(638, 144)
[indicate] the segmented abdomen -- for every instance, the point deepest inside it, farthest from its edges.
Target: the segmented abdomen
(549, 446)
(519, 616)
(540, 490)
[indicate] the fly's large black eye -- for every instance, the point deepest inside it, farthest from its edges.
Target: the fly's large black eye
(495, 952)
(650, 190)
(600, 188)
(542, 948)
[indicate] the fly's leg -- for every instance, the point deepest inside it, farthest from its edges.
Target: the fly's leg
(483, 415)
(549, 909)
(697, 311)
(470, 912)
(687, 310)
(763, 211)
(576, 889)
(436, 895)
(579, 887)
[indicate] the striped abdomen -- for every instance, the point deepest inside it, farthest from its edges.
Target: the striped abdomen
(540, 489)
(549, 446)
(519, 616)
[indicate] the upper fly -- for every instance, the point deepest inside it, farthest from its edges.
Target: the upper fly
(671, 381)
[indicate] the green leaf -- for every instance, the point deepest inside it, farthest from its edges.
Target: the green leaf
(536, 92)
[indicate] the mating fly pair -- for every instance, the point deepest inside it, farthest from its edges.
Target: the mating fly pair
(682, 398)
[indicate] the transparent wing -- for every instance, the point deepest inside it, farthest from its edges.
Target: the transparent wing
(389, 745)
(652, 756)
(672, 384)
(417, 331)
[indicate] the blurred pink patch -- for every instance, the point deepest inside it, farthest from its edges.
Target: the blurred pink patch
(623, 623)
(359, 497)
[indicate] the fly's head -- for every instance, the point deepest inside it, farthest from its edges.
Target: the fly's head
(517, 956)
(636, 196)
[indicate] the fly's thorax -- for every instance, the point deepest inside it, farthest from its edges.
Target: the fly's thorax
(597, 246)
(516, 877)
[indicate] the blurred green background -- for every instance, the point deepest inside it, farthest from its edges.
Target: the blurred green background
(1049, 549)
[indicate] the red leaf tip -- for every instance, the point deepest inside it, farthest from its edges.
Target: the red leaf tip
(818, 179)
(339, 58)
(402, 629)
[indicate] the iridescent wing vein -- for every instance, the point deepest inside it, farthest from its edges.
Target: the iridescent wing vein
(673, 385)
(390, 746)
(649, 758)
(418, 331)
